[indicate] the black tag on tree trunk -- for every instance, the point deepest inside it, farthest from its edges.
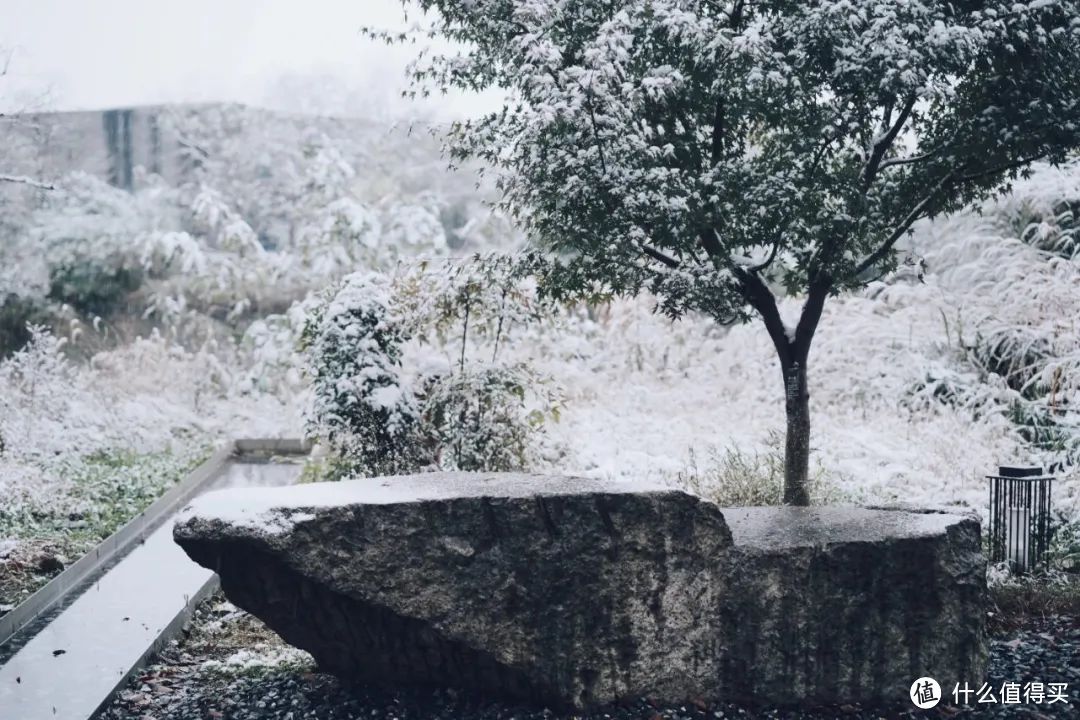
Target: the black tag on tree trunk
(791, 383)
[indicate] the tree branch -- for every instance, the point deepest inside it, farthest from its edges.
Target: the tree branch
(808, 320)
(907, 160)
(1003, 168)
(595, 131)
(22, 180)
(760, 297)
(718, 132)
(660, 257)
(768, 261)
(870, 170)
(709, 241)
(878, 255)
(917, 212)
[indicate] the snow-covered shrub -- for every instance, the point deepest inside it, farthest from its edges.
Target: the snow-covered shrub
(407, 373)
(17, 313)
(273, 351)
(481, 411)
(36, 385)
(95, 286)
(480, 419)
(362, 404)
(91, 236)
(1044, 211)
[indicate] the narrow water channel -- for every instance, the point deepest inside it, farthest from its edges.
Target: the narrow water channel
(73, 664)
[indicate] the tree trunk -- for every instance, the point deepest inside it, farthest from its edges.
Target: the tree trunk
(797, 446)
(792, 348)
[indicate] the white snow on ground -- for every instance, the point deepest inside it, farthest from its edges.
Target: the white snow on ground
(684, 388)
(643, 393)
(257, 658)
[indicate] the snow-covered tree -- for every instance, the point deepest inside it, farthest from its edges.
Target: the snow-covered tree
(716, 152)
(11, 146)
(362, 404)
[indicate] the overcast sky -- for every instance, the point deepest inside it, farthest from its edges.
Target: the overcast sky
(92, 54)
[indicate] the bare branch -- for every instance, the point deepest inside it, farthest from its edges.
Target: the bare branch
(898, 232)
(23, 180)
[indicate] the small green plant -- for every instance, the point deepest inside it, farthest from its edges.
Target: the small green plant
(480, 419)
(102, 492)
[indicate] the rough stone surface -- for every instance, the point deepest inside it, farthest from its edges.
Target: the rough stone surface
(528, 586)
(579, 592)
(850, 605)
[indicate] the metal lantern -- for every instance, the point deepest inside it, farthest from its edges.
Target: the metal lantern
(1019, 516)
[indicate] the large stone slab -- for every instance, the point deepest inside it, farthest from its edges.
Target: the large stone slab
(553, 589)
(849, 604)
(580, 592)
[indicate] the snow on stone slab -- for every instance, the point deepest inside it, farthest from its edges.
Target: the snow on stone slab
(275, 510)
(784, 527)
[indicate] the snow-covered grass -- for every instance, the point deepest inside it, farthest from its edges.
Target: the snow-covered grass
(646, 396)
(88, 445)
(51, 517)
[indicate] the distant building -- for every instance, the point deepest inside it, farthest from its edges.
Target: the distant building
(110, 144)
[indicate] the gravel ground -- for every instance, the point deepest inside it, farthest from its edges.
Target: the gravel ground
(230, 667)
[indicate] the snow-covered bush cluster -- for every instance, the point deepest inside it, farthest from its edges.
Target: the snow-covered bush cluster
(407, 371)
(155, 322)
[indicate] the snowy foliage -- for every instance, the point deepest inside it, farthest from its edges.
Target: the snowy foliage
(386, 401)
(716, 137)
(361, 402)
(264, 210)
